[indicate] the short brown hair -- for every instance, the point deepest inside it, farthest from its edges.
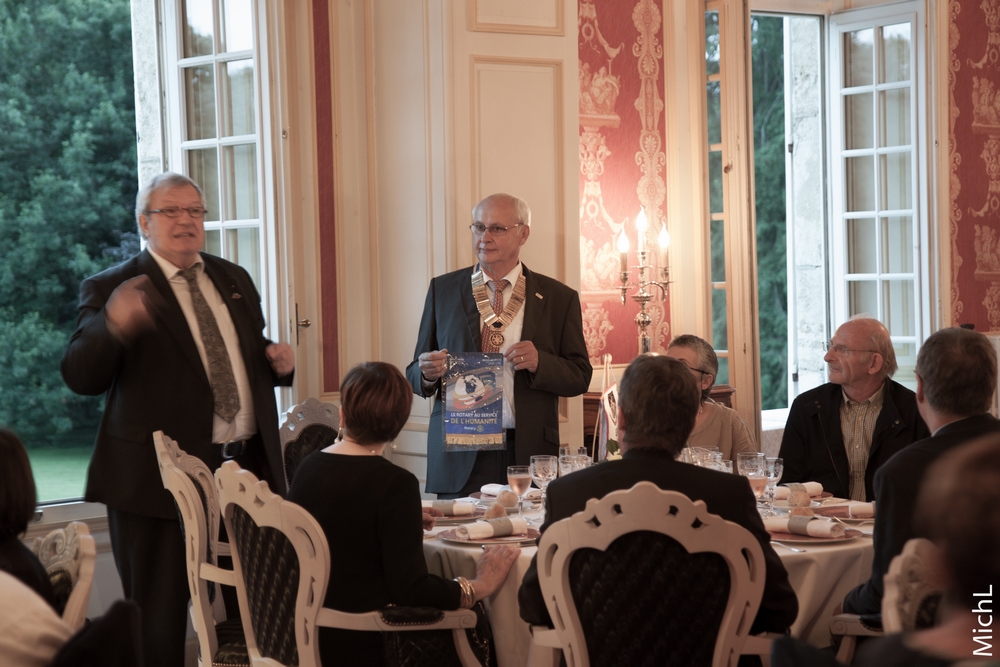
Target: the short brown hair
(708, 360)
(957, 510)
(18, 494)
(376, 400)
(958, 370)
(659, 400)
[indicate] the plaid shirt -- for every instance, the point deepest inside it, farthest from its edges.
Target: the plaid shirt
(857, 423)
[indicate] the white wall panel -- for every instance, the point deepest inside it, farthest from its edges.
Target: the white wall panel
(542, 17)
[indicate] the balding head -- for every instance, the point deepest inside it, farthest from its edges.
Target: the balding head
(860, 357)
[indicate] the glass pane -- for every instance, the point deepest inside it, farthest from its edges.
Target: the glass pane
(858, 58)
(859, 118)
(241, 182)
(894, 124)
(238, 110)
(720, 330)
(894, 175)
(203, 168)
(860, 175)
(199, 93)
(906, 354)
(861, 248)
(723, 377)
(862, 298)
(213, 242)
(897, 244)
(897, 307)
(711, 43)
(715, 181)
(717, 240)
(198, 28)
(896, 53)
(714, 114)
(244, 249)
(237, 21)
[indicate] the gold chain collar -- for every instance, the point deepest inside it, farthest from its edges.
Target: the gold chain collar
(497, 323)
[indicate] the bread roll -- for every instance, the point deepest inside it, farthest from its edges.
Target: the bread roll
(495, 512)
(507, 499)
(799, 499)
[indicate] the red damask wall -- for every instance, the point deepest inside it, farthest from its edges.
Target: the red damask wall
(974, 152)
(621, 163)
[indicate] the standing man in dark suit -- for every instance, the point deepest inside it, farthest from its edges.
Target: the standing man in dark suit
(956, 377)
(658, 401)
(839, 433)
(535, 321)
(173, 339)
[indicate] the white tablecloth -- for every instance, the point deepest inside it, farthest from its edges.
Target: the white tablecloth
(821, 577)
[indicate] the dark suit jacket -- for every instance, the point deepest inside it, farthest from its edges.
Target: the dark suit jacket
(726, 495)
(813, 444)
(158, 382)
(552, 321)
(897, 485)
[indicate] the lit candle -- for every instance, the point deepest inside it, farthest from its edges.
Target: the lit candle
(623, 249)
(664, 242)
(641, 225)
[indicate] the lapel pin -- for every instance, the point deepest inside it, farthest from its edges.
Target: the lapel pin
(539, 295)
(236, 295)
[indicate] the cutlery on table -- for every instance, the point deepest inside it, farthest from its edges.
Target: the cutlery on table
(796, 550)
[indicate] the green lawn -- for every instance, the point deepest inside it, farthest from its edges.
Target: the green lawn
(60, 472)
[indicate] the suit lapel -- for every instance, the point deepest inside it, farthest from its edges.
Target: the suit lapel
(471, 310)
(534, 304)
(172, 317)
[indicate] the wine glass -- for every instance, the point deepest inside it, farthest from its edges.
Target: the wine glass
(543, 470)
(774, 466)
(519, 478)
(752, 466)
(568, 464)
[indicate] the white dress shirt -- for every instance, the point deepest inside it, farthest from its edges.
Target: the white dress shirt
(244, 424)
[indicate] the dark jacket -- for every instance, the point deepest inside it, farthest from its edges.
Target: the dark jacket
(813, 445)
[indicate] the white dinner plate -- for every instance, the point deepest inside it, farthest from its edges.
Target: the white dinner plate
(527, 540)
(782, 505)
(849, 534)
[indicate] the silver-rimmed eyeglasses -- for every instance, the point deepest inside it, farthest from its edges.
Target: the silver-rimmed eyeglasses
(479, 229)
(196, 212)
(840, 349)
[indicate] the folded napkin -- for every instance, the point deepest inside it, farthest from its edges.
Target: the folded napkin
(451, 507)
(812, 488)
(495, 489)
(861, 510)
(511, 525)
(804, 525)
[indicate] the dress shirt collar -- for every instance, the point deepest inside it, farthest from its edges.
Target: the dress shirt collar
(168, 268)
(511, 277)
(875, 399)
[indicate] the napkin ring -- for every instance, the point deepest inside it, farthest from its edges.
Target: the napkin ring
(468, 593)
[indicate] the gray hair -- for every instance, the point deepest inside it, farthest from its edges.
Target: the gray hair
(167, 179)
(708, 360)
(520, 206)
(958, 369)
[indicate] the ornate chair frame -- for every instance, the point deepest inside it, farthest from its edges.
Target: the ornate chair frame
(646, 507)
(71, 550)
(299, 417)
(240, 488)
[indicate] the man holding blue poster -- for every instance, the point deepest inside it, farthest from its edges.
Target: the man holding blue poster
(499, 305)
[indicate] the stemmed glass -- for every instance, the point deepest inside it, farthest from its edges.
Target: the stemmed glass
(519, 478)
(543, 470)
(752, 466)
(774, 467)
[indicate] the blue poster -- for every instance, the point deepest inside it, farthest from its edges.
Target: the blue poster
(473, 405)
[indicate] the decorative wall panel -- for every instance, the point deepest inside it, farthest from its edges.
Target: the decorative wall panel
(532, 17)
(621, 163)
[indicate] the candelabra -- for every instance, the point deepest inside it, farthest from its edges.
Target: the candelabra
(642, 296)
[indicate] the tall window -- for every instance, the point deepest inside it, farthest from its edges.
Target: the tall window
(213, 115)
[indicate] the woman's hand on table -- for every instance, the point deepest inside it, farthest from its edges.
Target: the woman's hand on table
(492, 569)
(427, 518)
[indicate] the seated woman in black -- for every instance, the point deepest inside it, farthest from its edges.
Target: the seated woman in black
(957, 510)
(370, 511)
(17, 506)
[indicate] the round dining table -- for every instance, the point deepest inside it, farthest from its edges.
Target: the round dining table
(820, 574)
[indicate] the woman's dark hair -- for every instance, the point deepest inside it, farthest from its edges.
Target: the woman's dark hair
(17, 486)
(376, 400)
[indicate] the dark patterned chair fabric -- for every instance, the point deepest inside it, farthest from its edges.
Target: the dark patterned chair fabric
(271, 574)
(62, 587)
(647, 601)
(312, 438)
(232, 645)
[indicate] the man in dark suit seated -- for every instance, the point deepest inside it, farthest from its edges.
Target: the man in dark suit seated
(956, 377)
(657, 404)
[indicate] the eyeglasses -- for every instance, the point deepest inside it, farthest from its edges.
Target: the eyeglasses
(196, 212)
(696, 370)
(841, 350)
(479, 229)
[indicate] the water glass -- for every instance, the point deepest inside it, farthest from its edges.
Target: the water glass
(752, 466)
(568, 464)
(774, 466)
(544, 469)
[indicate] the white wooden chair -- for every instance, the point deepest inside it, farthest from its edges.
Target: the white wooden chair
(309, 426)
(648, 572)
(220, 641)
(69, 556)
(910, 597)
(282, 563)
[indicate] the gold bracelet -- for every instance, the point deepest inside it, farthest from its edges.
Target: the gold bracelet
(468, 593)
